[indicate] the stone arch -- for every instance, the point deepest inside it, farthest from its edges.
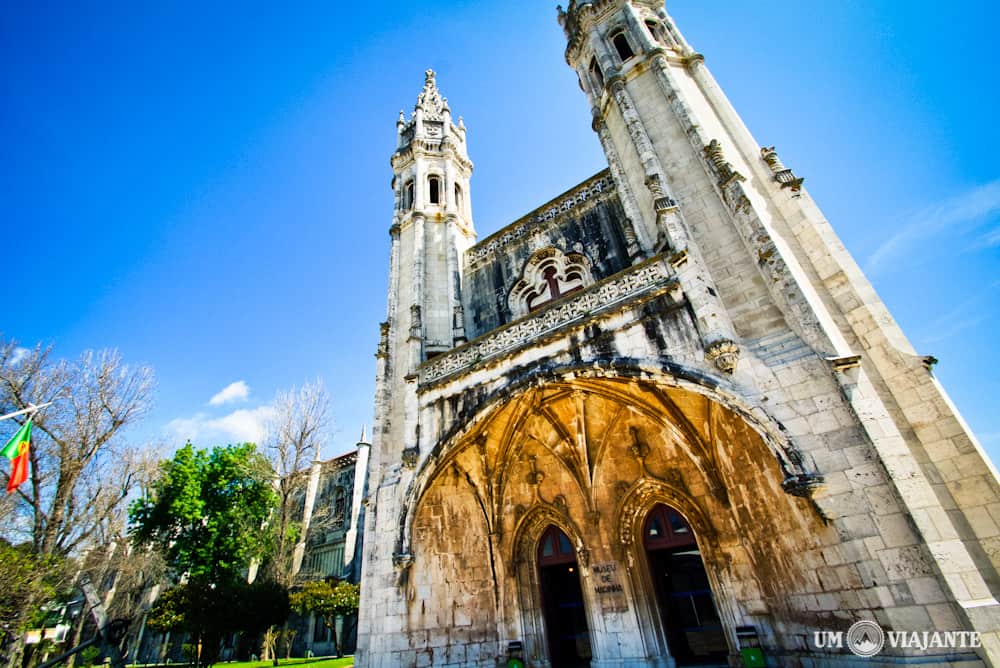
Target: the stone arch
(633, 508)
(525, 575)
(643, 496)
(452, 536)
(651, 372)
(515, 452)
(532, 524)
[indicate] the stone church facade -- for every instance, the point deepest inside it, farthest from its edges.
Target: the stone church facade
(661, 418)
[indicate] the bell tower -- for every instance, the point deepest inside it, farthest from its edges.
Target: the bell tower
(619, 50)
(432, 225)
(431, 230)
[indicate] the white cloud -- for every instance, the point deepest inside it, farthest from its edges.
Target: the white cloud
(19, 354)
(958, 214)
(965, 315)
(238, 391)
(991, 239)
(243, 425)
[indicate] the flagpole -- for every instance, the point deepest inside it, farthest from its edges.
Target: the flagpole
(30, 409)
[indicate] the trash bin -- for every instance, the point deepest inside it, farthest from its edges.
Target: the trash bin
(515, 654)
(750, 650)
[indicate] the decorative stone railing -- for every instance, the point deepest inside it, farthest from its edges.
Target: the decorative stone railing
(593, 188)
(653, 275)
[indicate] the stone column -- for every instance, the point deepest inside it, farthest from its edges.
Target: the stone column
(718, 336)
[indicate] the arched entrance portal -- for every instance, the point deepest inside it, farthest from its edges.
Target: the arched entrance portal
(690, 619)
(594, 456)
(562, 601)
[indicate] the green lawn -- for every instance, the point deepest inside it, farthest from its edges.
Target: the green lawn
(317, 662)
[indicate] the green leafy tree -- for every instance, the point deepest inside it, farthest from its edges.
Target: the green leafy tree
(207, 512)
(25, 583)
(207, 515)
(328, 599)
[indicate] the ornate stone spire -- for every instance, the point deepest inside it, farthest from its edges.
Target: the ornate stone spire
(364, 437)
(430, 100)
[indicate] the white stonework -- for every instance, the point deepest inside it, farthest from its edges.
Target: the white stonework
(683, 329)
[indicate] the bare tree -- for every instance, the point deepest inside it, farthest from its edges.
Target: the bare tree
(81, 471)
(294, 434)
(128, 578)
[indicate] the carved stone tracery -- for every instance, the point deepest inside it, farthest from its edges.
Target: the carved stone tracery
(637, 282)
(782, 174)
(596, 189)
(547, 275)
(430, 100)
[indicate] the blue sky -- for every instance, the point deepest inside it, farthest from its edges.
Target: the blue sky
(205, 186)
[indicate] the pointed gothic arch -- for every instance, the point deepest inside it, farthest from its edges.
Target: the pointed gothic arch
(513, 461)
(634, 510)
(531, 527)
(663, 374)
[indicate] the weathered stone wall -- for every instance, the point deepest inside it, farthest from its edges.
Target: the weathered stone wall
(587, 219)
(789, 566)
(452, 618)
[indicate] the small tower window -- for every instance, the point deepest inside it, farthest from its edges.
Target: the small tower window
(339, 504)
(408, 196)
(595, 72)
(657, 32)
(459, 202)
(622, 46)
(434, 189)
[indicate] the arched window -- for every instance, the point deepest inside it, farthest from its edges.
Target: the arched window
(434, 189)
(459, 202)
(548, 275)
(597, 74)
(656, 31)
(408, 196)
(622, 46)
(666, 528)
(555, 548)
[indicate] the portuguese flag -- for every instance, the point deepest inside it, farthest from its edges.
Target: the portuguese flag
(16, 451)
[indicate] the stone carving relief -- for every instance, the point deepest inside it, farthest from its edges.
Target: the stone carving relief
(723, 169)
(402, 560)
(430, 100)
(725, 354)
(782, 174)
(638, 280)
(410, 456)
(383, 341)
(548, 275)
